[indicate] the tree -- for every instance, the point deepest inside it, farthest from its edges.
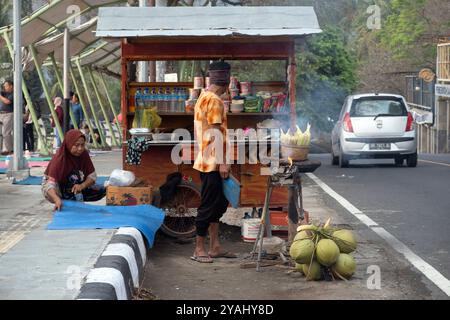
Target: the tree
(326, 75)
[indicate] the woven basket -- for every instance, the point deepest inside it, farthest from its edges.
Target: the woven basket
(296, 153)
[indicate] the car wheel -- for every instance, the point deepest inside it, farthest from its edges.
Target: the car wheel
(411, 161)
(334, 159)
(399, 161)
(343, 160)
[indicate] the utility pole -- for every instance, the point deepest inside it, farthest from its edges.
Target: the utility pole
(160, 65)
(143, 65)
(152, 64)
(66, 71)
(19, 166)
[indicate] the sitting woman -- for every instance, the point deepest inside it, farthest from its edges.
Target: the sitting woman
(70, 175)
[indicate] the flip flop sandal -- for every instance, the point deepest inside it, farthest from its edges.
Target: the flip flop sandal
(226, 254)
(202, 259)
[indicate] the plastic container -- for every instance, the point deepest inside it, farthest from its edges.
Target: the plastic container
(198, 83)
(250, 229)
(234, 83)
(246, 88)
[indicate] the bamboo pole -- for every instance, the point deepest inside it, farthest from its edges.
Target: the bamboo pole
(47, 93)
(83, 106)
(61, 87)
(83, 81)
(102, 107)
(30, 105)
(108, 96)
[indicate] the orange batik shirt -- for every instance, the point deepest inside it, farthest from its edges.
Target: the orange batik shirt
(209, 111)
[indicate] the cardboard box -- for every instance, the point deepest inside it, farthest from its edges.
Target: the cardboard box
(129, 196)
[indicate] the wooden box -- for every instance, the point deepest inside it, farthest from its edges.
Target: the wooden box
(128, 196)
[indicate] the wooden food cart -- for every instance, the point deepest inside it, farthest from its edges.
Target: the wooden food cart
(204, 33)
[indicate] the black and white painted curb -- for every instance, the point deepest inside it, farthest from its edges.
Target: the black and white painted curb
(119, 270)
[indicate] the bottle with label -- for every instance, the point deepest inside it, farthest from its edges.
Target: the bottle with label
(173, 99)
(167, 99)
(153, 97)
(160, 100)
(254, 213)
(181, 98)
(137, 97)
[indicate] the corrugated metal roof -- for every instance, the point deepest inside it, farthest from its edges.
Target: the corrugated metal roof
(54, 15)
(80, 39)
(206, 21)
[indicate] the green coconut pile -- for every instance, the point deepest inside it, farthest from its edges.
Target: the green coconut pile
(320, 250)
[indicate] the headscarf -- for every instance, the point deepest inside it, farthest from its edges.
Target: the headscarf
(63, 162)
(57, 101)
(219, 73)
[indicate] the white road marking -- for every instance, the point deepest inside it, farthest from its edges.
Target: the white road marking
(343, 202)
(425, 268)
(428, 270)
(438, 163)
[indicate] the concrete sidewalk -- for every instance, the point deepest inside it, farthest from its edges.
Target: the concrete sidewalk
(36, 263)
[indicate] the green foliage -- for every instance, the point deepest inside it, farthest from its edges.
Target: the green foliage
(404, 26)
(326, 75)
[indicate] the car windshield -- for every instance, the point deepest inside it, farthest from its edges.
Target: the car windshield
(372, 107)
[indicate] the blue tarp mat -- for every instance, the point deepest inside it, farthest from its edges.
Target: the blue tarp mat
(78, 215)
(36, 181)
(101, 181)
(30, 181)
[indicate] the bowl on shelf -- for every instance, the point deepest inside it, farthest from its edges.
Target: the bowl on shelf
(237, 106)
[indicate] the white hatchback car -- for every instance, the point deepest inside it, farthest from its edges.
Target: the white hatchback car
(376, 126)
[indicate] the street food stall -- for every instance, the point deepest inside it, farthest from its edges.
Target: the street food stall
(205, 34)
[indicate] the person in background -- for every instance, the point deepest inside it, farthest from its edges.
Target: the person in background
(60, 114)
(7, 116)
(71, 175)
(28, 131)
(77, 110)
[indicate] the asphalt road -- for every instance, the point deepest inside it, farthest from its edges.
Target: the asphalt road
(413, 204)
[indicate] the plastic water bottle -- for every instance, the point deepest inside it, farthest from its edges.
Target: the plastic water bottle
(153, 97)
(146, 98)
(79, 197)
(137, 97)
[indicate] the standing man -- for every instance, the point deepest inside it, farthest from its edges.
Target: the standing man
(7, 116)
(76, 109)
(210, 123)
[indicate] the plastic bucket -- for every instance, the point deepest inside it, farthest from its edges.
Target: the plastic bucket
(250, 229)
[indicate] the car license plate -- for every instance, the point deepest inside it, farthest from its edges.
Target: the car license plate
(380, 146)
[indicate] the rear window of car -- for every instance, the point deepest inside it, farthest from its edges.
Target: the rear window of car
(375, 106)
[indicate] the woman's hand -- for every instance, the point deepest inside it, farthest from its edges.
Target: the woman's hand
(58, 204)
(77, 188)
